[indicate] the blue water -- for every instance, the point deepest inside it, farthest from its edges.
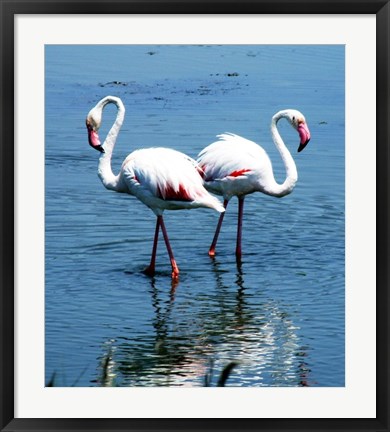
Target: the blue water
(280, 313)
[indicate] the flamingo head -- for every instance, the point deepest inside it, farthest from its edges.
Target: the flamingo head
(298, 122)
(93, 122)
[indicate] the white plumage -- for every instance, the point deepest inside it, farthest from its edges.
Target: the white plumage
(161, 178)
(165, 179)
(235, 166)
(232, 165)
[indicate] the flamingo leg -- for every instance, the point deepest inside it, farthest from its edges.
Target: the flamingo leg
(175, 268)
(215, 239)
(150, 270)
(239, 226)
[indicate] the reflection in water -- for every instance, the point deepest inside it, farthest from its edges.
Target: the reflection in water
(192, 343)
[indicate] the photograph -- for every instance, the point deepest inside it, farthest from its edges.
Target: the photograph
(194, 205)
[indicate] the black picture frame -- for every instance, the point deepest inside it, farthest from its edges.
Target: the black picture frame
(9, 9)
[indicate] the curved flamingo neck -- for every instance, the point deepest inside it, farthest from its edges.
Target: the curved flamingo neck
(275, 189)
(108, 178)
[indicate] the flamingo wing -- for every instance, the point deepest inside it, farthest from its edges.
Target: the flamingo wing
(166, 179)
(165, 173)
(231, 156)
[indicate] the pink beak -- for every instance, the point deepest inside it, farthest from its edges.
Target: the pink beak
(93, 139)
(304, 135)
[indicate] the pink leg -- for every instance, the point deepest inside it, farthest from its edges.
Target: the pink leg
(215, 239)
(239, 226)
(175, 269)
(152, 266)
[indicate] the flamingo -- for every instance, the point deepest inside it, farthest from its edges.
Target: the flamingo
(236, 166)
(161, 178)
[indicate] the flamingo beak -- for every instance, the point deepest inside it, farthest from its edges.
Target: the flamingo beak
(93, 138)
(304, 135)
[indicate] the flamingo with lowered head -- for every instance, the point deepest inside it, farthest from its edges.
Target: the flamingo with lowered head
(161, 178)
(235, 166)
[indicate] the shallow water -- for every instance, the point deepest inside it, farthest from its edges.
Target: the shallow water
(280, 313)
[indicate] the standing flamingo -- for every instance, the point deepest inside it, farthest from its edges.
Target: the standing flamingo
(235, 166)
(161, 178)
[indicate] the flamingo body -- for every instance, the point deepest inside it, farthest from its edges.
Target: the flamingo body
(161, 178)
(236, 166)
(164, 179)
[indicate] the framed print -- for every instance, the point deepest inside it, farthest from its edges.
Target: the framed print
(264, 307)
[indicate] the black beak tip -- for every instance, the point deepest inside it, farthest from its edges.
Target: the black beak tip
(99, 148)
(302, 146)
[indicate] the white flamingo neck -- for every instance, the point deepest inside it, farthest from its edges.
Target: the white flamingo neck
(108, 178)
(287, 186)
